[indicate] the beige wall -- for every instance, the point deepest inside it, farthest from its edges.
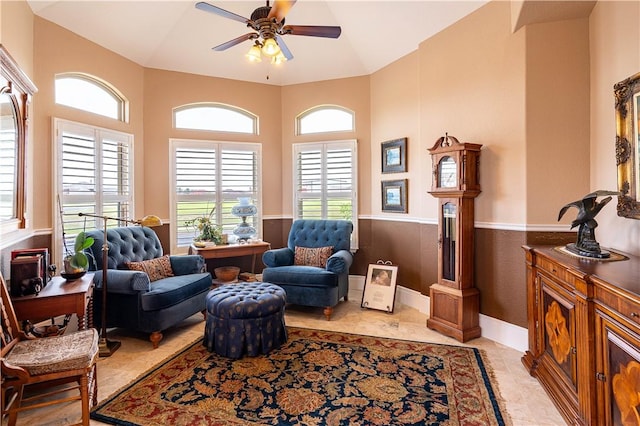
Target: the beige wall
(614, 55)
(395, 113)
(16, 32)
(472, 85)
(557, 118)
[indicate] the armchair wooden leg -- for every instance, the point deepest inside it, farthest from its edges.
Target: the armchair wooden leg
(14, 405)
(327, 312)
(155, 338)
(84, 399)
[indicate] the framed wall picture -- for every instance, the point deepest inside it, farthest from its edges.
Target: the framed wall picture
(394, 156)
(380, 287)
(394, 195)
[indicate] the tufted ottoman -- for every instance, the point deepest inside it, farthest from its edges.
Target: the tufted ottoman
(245, 318)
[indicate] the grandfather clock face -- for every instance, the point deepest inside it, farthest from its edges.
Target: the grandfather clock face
(447, 173)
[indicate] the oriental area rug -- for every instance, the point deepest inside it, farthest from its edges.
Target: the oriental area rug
(315, 378)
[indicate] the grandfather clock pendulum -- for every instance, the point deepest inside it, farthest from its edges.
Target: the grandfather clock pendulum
(455, 302)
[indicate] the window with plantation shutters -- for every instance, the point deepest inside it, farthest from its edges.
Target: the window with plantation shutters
(94, 175)
(208, 177)
(325, 182)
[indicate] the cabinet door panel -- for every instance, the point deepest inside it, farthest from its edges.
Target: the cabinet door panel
(618, 365)
(558, 328)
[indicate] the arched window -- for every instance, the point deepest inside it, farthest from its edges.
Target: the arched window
(215, 117)
(89, 93)
(325, 172)
(325, 118)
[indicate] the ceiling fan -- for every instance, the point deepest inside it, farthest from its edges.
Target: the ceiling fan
(268, 25)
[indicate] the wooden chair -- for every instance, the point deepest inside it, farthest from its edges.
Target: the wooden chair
(26, 361)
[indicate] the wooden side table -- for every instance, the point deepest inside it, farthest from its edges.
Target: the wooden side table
(58, 297)
(232, 250)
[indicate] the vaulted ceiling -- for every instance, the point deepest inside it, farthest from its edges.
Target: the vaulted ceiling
(174, 35)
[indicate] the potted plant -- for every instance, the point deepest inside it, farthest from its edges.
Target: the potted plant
(206, 229)
(77, 262)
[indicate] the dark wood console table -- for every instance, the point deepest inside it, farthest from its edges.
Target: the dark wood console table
(58, 297)
(233, 250)
(584, 334)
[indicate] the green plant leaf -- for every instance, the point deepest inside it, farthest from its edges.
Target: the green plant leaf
(79, 260)
(82, 242)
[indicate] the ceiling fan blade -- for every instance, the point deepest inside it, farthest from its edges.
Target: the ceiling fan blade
(202, 5)
(280, 9)
(237, 40)
(283, 47)
(312, 30)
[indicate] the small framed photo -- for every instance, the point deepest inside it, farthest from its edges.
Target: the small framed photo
(394, 195)
(394, 156)
(380, 287)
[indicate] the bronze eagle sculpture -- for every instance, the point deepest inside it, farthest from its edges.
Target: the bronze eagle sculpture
(588, 207)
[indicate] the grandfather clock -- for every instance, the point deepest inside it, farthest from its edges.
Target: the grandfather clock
(455, 302)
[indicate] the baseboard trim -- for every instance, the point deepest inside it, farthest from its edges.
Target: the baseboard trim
(499, 331)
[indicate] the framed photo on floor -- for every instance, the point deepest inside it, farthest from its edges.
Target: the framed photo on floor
(380, 287)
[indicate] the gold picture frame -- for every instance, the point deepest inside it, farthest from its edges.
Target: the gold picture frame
(627, 98)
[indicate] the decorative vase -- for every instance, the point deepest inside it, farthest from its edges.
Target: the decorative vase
(244, 209)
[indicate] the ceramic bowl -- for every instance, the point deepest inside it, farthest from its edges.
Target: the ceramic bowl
(227, 274)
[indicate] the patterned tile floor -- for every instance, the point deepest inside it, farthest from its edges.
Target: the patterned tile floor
(526, 401)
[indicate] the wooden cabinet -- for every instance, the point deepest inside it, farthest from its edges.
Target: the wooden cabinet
(617, 355)
(584, 335)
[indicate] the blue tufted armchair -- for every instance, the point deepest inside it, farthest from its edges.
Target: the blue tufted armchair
(306, 285)
(133, 301)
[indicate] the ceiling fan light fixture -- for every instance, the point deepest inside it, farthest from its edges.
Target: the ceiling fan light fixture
(278, 59)
(254, 54)
(270, 47)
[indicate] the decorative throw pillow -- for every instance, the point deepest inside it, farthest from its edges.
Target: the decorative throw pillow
(157, 268)
(312, 256)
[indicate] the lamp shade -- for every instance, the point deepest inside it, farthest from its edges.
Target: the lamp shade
(270, 47)
(278, 58)
(150, 221)
(254, 54)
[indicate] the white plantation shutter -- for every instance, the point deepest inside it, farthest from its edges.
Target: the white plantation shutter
(94, 175)
(8, 166)
(210, 175)
(325, 182)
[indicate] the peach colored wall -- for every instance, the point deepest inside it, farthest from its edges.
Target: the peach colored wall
(395, 113)
(472, 86)
(165, 90)
(352, 93)
(557, 118)
(16, 32)
(615, 55)
(57, 50)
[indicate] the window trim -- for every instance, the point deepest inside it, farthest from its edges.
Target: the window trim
(217, 105)
(122, 101)
(319, 108)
